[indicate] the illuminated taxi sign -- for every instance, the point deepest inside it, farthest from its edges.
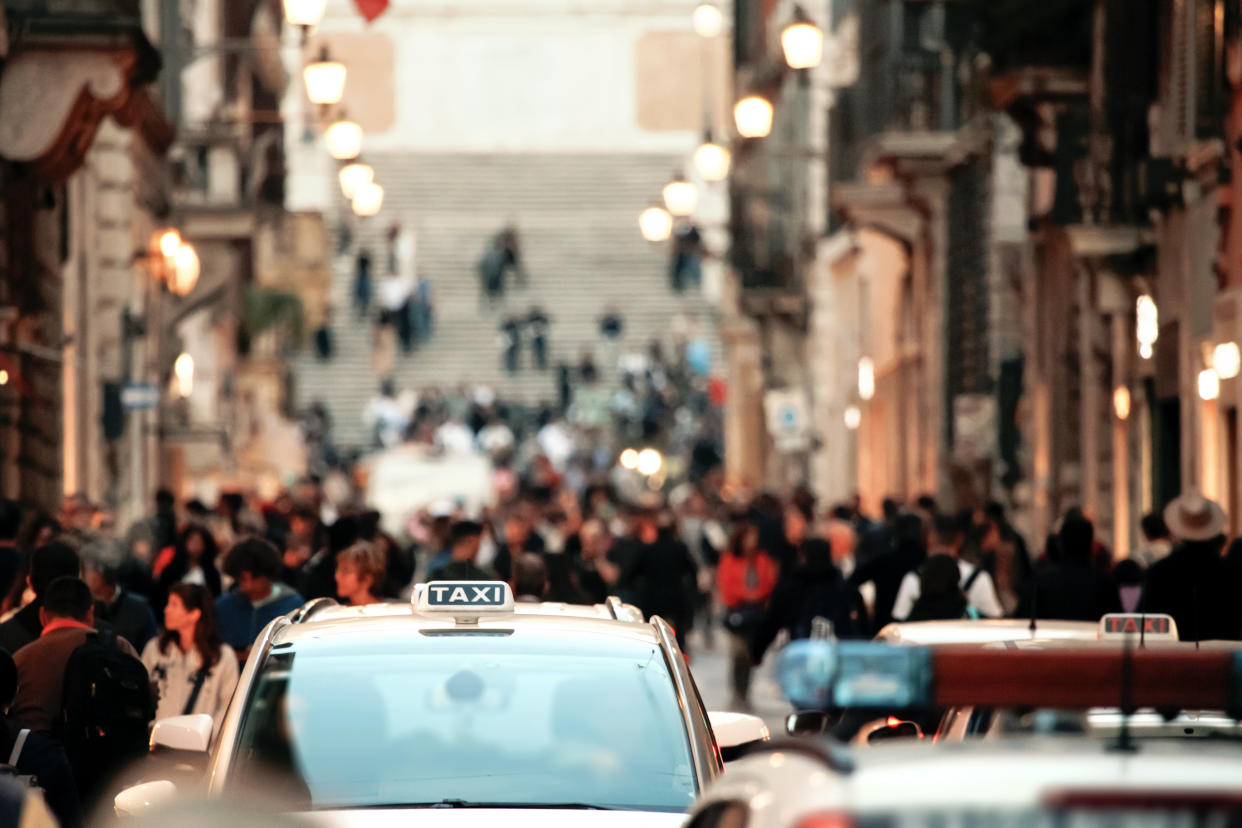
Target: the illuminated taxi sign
(468, 599)
(1138, 625)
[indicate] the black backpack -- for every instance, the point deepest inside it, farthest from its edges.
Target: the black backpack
(108, 705)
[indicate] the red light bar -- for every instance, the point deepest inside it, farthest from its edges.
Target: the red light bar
(1078, 679)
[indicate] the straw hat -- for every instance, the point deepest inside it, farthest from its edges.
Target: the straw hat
(1192, 517)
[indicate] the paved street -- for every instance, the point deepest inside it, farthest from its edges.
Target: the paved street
(711, 672)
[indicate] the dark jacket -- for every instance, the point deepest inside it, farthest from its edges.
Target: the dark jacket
(22, 628)
(663, 576)
(1069, 591)
(1199, 589)
(129, 616)
(43, 757)
(811, 591)
(240, 621)
(886, 572)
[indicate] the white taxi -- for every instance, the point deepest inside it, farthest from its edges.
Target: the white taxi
(466, 708)
(1033, 780)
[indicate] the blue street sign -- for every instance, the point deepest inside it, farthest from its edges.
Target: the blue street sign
(140, 397)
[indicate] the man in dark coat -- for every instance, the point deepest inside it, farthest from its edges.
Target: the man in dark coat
(1194, 584)
(1071, 589)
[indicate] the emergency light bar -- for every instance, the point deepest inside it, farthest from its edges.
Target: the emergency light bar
(819, 675)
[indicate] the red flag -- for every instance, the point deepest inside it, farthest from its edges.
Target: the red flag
(371, 9)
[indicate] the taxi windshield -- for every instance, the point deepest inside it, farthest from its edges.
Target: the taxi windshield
(469, 720)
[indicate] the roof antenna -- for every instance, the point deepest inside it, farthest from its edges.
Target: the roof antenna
(1034, 607)
(1143, 631)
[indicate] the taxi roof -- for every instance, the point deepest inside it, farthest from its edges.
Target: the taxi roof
(401, 618)
(985, 631)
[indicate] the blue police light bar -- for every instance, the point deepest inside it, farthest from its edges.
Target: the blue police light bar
(817, 675)
(464, 598)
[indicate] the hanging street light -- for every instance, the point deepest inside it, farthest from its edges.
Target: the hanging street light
(866, 378)
(655, 223)
(1147, 324)
(853, 417)
(368, 200)
(802, 41)
(680, 197)
(753, 116)
(1227, 360)
(168, 242)
(708, 20)
(183, 375)
(325, 79)
(354, 177)
(183, 275)
(712, 159)
(344, 138)
(1121, 402)
(1209, 384)
(304, 13)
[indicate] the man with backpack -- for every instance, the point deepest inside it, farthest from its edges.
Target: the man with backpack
(88, 688)
(976, 583)
(33, 758)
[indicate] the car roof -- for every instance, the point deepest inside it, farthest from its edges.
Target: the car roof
(985, 631)
(400, 618)
(1020, 773)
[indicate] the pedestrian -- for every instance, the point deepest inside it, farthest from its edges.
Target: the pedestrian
(191, 668)
(362, 284)
(686, 269)
(538, 322)
(1194, 584)
(591, 574)
(257, 595)
(62, 674)
(467, 537)
(491, 267)
(40, 755)
(386, 418)
(47, 563)
(530, 579)
(976, 584)
(324, 346)
(813, 589)
(746, 577)
(128, 615)
(1156, 544)
(1071, 588)
(360, 571)
(511, 343)
(511, 250)
(192, 561)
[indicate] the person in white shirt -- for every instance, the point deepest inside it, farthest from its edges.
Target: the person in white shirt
(976, 583)
(193, 671)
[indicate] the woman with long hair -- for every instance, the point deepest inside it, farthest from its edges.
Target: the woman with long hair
(193, 671)
(193, 562)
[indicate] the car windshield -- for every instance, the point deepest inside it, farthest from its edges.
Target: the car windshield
(469, 720)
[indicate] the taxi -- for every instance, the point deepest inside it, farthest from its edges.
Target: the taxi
(1036, 780)
(466, 708)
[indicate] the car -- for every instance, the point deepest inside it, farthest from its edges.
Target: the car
(1036, 779)
(466, 708)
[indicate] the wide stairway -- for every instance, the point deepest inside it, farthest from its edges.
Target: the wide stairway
(577, 221)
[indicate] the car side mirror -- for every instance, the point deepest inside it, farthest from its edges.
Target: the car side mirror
(736, 732)
(894, 729)
(137, 800)
(189, 733)
(807, 723)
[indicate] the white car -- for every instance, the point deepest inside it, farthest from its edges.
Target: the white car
(1025, 780)
(465, 709)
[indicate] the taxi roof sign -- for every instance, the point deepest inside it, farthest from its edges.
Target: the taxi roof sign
(464, 599)
(1123, 624)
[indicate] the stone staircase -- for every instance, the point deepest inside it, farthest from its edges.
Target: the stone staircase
(577, 222)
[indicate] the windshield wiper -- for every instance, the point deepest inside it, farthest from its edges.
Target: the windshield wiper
(464, 803)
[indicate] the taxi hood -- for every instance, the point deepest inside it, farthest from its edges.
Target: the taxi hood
(488, 818)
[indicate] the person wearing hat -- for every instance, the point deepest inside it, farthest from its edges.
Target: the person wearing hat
(1194, 584)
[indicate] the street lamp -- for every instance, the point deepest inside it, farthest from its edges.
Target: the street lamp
(712, 159)
(1147, 324)
(680, 196)
(169, 241)
(325, 79)
(344, 138)
(802, 41)
(866, 378)
(183, 375)
(354, 177)
(655, 223)
(649, 462)
(708, 21)
(1121, 402)
(183, 275)
(1209, 384)
(1227, 360)
(304, 13)
(853, 417)
(368, 200)
(753, 116)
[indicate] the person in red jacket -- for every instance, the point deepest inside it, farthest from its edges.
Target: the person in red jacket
(746, 576)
